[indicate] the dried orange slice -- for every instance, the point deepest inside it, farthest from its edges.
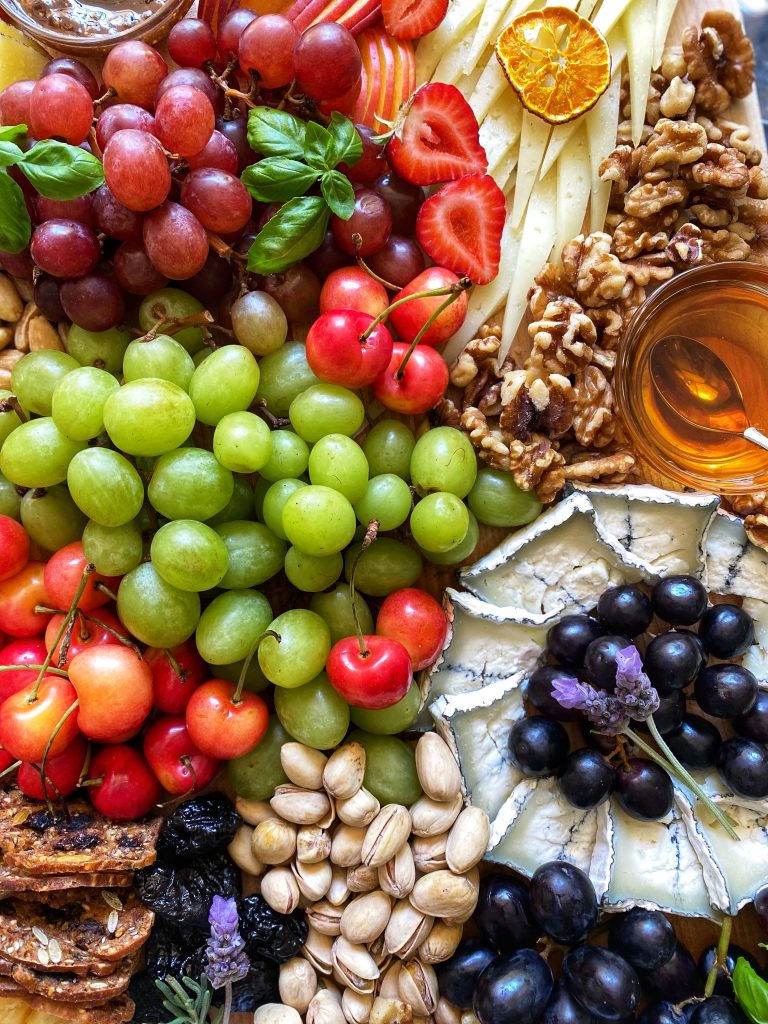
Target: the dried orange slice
(557, 62)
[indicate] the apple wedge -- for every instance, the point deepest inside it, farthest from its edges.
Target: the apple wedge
(354, 15)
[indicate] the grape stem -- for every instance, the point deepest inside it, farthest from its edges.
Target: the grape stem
(174, 324)
(57, 729)
(236, 696)
(88, 569)
(370, 536)
(722, 952)
(272, 421)
(452, 290)
(11, 404)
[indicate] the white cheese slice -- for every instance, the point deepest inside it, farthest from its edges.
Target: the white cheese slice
(450, 67)
(734, 565)
(574, 185)
(609, 14)
(497, 14)
(640, 30)
(500, 134)
(558, 140)
(665, 10)
(534, 138)
(602, 122)
(457, 23)
(491, 85)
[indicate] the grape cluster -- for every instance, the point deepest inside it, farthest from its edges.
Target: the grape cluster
(688, 670)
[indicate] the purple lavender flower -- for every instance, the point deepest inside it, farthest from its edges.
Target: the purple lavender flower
(601, 708)
(225, 951)
(633, 687)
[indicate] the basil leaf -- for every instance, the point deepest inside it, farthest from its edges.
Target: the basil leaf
(318, 145)
(293, 233)
(347, 144)
(277, 178)
(275, 133)
(338, 193)
(751, 991)
(59, 171)
(10, 154)
(15, 225)
(9, 132)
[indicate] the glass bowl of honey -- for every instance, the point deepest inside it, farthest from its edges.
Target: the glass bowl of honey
(722, 308)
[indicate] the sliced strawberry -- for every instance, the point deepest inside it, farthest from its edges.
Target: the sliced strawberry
(411, 19)
(460, 227)
(439, 138)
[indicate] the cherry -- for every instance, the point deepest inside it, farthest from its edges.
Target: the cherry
(28, 722)
(28, 651)
(372, 164)
(6, 760)
(178, 764)
(418, 386)
(416, 620)
(63, 574)
(62, 773)
(176, 674)
(128, 788)
(224, 722)
(14, 546)
(114, 686)
(408, 319)
(353, 288)
(86, 632)
(341, 351)
(19, 597)
(373, 675)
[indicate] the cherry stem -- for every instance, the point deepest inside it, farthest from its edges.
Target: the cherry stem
(370, 536)
(721, 955)
(113, 632)
(84, 780)
(35, 668)
(11, 768)
(88, 569)
(99, 585)
(248, 659)
(454, 290)
(182, 673)
(461, 286)
(358, 240)
(186, 761)
(57, 729)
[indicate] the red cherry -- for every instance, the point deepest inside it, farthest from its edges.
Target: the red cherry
(338, 353)
(85, 633)
(172, 687)
(222, 728)
(14, 547)
(6, 760)
(128, 788)
(63, 574)
(416, 620)
(374, 679)
(19, 596)
(178, 764)
(353, 288)
(421, 385)
(27, 726)
(27, 651)
(62, 773)
(408, 319)
(114, 686)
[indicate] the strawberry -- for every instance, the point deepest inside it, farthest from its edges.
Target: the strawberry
(460, 227)
(438, 138)
(411, 19)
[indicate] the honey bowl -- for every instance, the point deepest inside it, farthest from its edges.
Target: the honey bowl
(723, 306)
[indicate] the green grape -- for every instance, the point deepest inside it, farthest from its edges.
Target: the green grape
(318, 520)
(255, 680)
(51, 518)
(390, 769)
(300, 653)
(189, 555)
(335, 607)
(105, 486)
(274, 501)
(239, 506)
(10, 501)
(388, 448)
(103, 349)
(190, 484)
(35, 376)
(311, 574)
(169, 304)
(326, 409)
(439, 522)
(443, 460)
(496, 499)
(313, 714)
(157, 613)
(259, 322)
(149, 417)
(289, 458)
(9, 418)
(231, 625)
(200, 355)
(77, 406)
(284, 375)
(338, 462)
(37, 454)
(255, 554)
(260, 489)
(114, 550)
(387, 498)
(242, 442)
(224, 382)
(385, 566)
(388, 721)
(161, 357)
(462, 551)
(257, 774)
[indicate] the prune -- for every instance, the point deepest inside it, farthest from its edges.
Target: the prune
(644, 790)
(513, 989)
(146, 995)
(718, 1010)
(602, 981)
(727, 630)
(645, 938)
(258, 987)
(174, 951)
(679, 600)
(672, 661)
(625, 610)
(586, 778)
(600, 661)
(695, 743)
(268, 934)
(754, 725)
(202, 825)
(562, 1008)
(563, 902)
(503, 913)
(568, 639)
(723, 982)
(675, 980)
(725, 691)
(182, 893)
(540, 693)
(743, 764)
(457, 977)
(538, 746)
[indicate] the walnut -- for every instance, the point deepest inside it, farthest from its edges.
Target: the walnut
(758, 183)
(517, 409)
(611, 468)
(677, 98)
(489, 444)
(537, 465)
(723, 245)
(748, 504)
(739, 136)
(647, 199)
(656, 87)
(711, 212)
(595, 273)
(684, 249)
(673, 142)
(562, 339)
(549, 285)
(720, 61)
(593, 413)
(610, 326)
(632, 237)
(673, 63)
(754, 212)
(719, 167)
(649, 269)
(624, 133)
(556, 418)
(477, 353)
(447, 414)
(756, 527)
(617, 168)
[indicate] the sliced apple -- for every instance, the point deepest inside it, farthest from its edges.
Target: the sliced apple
(355, 15)
(387, 79)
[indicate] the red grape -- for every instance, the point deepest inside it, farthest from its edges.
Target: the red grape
(198, 80)
(213, 282)
(404, 201)
(80, 209)
(219, 200)
(94, 302)
(327, 61)
(235, 130)
(184, 120)
(14, 102)
(175, 241)
(120, 116)
(217, 152)
(114, 219)
(136, 170)
(297, 290)
(46, 296)
(18, 264)
(134, 270)
(75, 69)
(371, 165)
(191, 43)
(230, 30)
(372, 220)
(266, 50)
(399, 261)
(134, 70)
(65, 248)
(327, 258)
(59, 107)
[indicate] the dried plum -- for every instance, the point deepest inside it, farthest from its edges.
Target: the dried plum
(203, 825)
(182, 893)
(258, 988)
(268, 934)
(174, 951)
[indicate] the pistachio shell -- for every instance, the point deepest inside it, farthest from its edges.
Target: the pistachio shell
(355, 964)
(437, 769)
(467, 840)
(441, 943)
(366, 917)
(343, 774)
(314, 880)
(276, 1013)
(325, 1008)
(388, 986)
(347, 845)
(280, 890)
(297, 983)
(390, 1011)
(356, 1006)
(408, 927)
(313, 844)
(359, 810)
(398, 875)
(447, 1013)
(338, 893)
(324, 917)
(241, 852)
(362, 879)
(300, 806)
(318, 949)
(274, 841)
(386, 834)
(430, 817)
(418, 987)
(443, 894)
(429, 853)
(303, 765)
(253, 811)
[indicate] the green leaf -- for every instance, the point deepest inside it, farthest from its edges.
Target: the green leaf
(347, 144)
(318, 146)
(275, 133)
(10, 154)
(293, 233)
(278, 178)
(59, 171)
(338, 193)
(15, 226)
(9, 132)
(750, 991)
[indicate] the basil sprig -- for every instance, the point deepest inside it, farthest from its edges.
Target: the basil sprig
(56, 170)
(751, 992)
(297, 156)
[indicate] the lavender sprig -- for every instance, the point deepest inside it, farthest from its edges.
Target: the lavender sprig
(225, 952)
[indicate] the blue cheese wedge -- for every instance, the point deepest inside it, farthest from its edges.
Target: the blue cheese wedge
(734, 564)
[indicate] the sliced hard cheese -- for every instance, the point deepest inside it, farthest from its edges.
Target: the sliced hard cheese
(499, 135)
(609, 14)
(497, 14)
(574, 184)
(639, 23)
(491, 85)
(534, 138)
(665, 10)
(601, 131)
(455, 26)
(559, 139)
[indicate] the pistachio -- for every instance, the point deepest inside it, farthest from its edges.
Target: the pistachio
(241, 852)
(398, 875)
(468, 1017)
(366, 917)
(430, 817)
(408, 927)
(443, 894)
(356, 1006)
(253, 811)
(279, 889)
(447, 1013)
(472, 878)
(300, 806)
(390, 1011)
(303, 765)
(429, 853)
(388, 986)
(42, 334)
(6, 336)
(325, 918)
(343, 774)
(380, 953)
(437, 769)
(362, 879)
(441, 943)
(339, 891)
(355, 965)
(314, 880)
(11, 306)
(325, 1008)
(318, 949)
(418, 987)
(358, 810)
(313, 844)
(386, 834)
(467, 840)
(274, 841)
(276, 1013)
(347, 846)
(8, 359)
(297, 983)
